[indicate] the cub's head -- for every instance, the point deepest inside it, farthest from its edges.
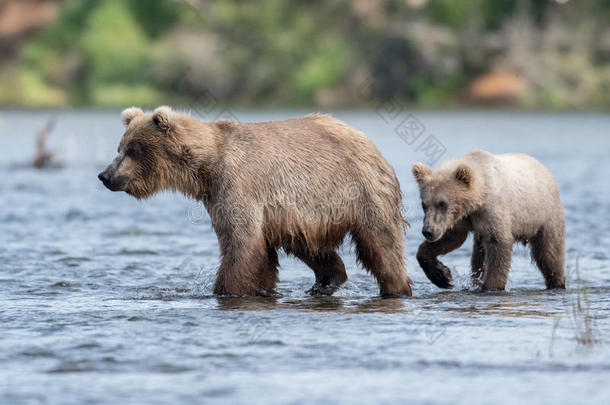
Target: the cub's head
(149, 146)
(448, 194)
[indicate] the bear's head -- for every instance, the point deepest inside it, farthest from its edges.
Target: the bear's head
(448, 194)
(150, 154)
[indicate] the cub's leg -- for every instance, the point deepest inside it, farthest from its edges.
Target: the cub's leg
(496, 264)
(329, 270)
(427, 254)
(477, 261)
(548, 251)
(381, 252)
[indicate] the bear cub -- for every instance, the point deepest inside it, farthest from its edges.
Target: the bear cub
(501, 199)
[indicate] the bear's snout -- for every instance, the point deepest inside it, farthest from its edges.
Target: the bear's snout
(104, 177)
(113, 183)
(428, 233)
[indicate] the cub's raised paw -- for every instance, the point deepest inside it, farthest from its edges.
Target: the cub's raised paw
(439, 274)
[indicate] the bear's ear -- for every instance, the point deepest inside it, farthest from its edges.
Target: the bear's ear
(129, 114)
(420, 171)
(464, 174)
(163, 117)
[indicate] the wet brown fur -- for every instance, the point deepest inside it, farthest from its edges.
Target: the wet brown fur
(502, 199)
(300, 184)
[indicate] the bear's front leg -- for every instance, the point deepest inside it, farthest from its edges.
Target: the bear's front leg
(498, 253)
(247, 267)
(435, 270)
(477, 261)
(267, 275)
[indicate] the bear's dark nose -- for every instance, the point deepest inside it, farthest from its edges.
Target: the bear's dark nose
(104, 177)
(427, 232)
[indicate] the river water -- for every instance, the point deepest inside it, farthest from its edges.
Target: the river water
(105, 299)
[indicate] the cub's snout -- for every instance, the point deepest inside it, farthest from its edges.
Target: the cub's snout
(428, 233)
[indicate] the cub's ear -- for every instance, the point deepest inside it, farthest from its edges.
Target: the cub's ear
(420, 171)
(464, 174)
(129, 114)
(163, 117)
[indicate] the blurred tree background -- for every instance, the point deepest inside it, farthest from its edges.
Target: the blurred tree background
(336, 53)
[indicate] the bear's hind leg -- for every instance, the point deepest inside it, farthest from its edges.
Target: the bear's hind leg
(548, 251)
(381, 252)
(328, 268)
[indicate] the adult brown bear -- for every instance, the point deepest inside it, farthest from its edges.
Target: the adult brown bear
(300, 184)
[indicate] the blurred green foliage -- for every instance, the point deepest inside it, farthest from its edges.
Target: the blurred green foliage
(297, 52)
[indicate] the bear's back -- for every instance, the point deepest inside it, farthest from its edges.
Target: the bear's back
(299, 158)
(530, 191)
(313, 131)
(526, 170)
(312, 142)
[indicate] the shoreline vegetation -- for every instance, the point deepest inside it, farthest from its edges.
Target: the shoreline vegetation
(421, 54)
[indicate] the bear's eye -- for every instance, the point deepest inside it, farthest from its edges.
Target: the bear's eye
(442, 205)
(133, 149)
